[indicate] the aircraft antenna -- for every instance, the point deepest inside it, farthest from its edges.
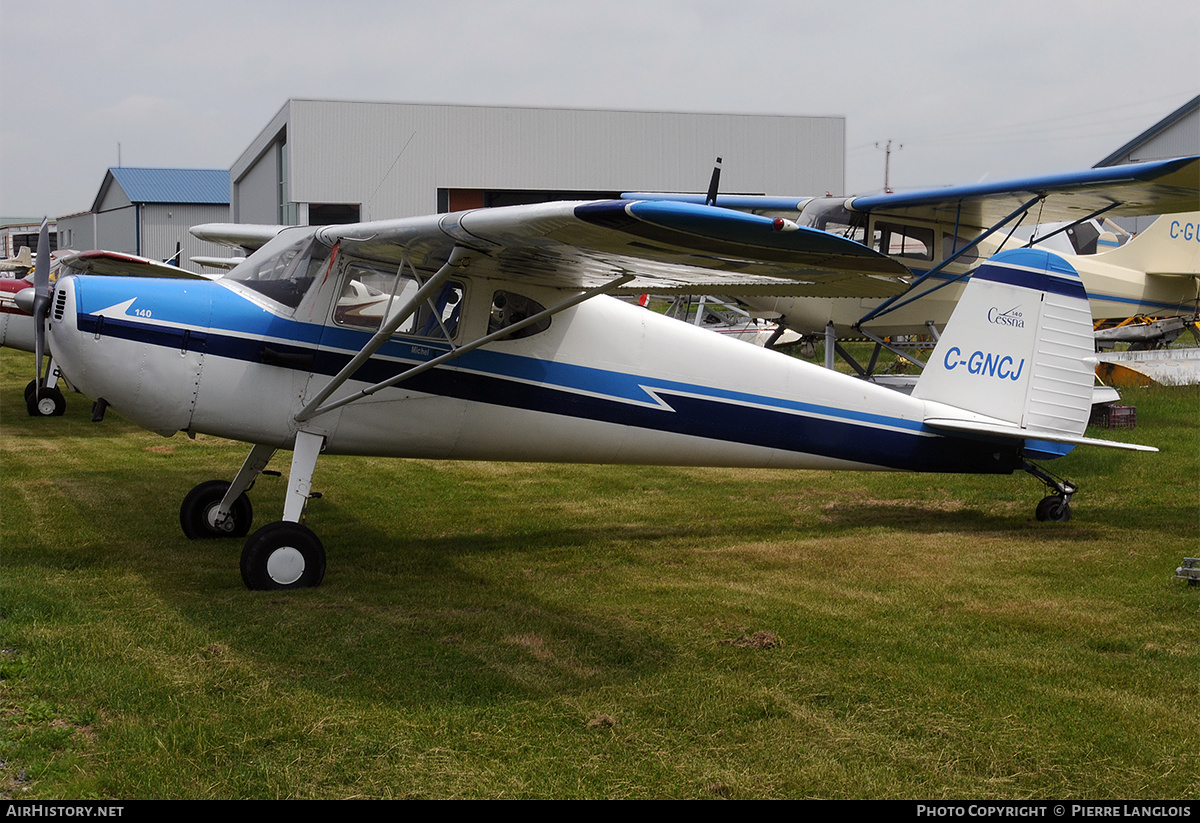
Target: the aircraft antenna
(383, 179)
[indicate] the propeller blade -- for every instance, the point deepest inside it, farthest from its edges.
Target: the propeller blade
(41, 299)
(711, 198)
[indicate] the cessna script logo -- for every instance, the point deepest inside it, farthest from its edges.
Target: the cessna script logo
(1012, 317)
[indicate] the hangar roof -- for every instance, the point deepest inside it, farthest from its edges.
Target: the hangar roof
(169, 185)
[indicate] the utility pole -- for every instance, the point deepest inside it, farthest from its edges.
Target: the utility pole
(887, 164)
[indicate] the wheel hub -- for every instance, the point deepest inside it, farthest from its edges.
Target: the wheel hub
(285, 565)
(224, 524)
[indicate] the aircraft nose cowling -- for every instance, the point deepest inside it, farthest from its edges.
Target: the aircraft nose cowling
(116, 338)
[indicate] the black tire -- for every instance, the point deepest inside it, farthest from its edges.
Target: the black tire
(1054, 509)
(201, 503)
(45, 402)
(29, 389)
(283, 555)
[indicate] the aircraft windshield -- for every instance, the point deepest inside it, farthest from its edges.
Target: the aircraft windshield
(285, 267)
(830, 214)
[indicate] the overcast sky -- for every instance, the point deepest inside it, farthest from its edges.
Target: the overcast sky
(971, 90)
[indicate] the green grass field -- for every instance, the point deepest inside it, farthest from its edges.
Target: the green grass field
(504, 630)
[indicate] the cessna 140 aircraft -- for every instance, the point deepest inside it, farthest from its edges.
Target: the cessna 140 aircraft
(490, 335)
(942, 234)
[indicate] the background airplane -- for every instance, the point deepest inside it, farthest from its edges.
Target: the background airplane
(20, 265)
(941, 235)
(490, 335)
(1155, 273)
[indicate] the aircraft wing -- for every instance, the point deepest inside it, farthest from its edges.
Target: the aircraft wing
(251, 236)
(120, 264)
(667, 246)
(1159, 187)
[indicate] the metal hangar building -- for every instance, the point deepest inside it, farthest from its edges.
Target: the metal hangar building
(148, 212)
(326, 161)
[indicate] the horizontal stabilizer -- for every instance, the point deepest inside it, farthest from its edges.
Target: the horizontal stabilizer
(1004, 430)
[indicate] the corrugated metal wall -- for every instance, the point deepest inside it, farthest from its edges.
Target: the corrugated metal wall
(165, 225)
(162, 226)
(254, 199)
(1181, 140)
(392, 157)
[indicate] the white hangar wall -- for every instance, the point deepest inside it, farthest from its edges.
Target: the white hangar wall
(400, 159)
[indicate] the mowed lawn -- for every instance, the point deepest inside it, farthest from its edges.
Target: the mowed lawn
(529, 630)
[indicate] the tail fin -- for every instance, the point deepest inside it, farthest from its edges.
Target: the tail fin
(1170, 245)
(1017, 353)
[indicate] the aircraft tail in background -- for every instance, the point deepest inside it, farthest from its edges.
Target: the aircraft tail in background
(1169, 246)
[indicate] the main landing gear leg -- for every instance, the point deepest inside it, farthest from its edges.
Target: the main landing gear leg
(1055, 507)
(286, 554)
(219, 509)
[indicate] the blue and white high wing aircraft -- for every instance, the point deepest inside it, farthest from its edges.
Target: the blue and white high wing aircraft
(940, 235)
(491, 335)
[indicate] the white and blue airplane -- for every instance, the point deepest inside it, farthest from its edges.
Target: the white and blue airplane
(492, 335)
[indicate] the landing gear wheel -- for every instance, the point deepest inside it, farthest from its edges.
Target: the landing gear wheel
(198, 513)
(30, 387)
(283, 555)
(45, 402)
(1054, 508)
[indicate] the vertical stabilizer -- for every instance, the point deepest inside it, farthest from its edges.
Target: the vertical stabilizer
(1169, 245)
(1019, 346)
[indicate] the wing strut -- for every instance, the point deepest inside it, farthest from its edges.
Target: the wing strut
(459, 257)
(314, 408)
(891, 303)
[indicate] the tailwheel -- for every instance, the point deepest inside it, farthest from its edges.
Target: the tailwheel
(1054, 509)
(199, 513)
(46, 401)
(283, 555)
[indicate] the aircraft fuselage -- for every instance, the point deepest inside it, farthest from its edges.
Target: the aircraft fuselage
(606, 382)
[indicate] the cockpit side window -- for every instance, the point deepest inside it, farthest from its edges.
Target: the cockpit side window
(904, 241)
(371, 292)
(508, 309)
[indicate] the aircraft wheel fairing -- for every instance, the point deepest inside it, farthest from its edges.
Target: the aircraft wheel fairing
(197, 514)
(283, 555)
(45, 402)
(1054, 509)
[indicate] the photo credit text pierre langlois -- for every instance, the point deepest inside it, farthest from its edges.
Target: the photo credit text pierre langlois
(1056, 810)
